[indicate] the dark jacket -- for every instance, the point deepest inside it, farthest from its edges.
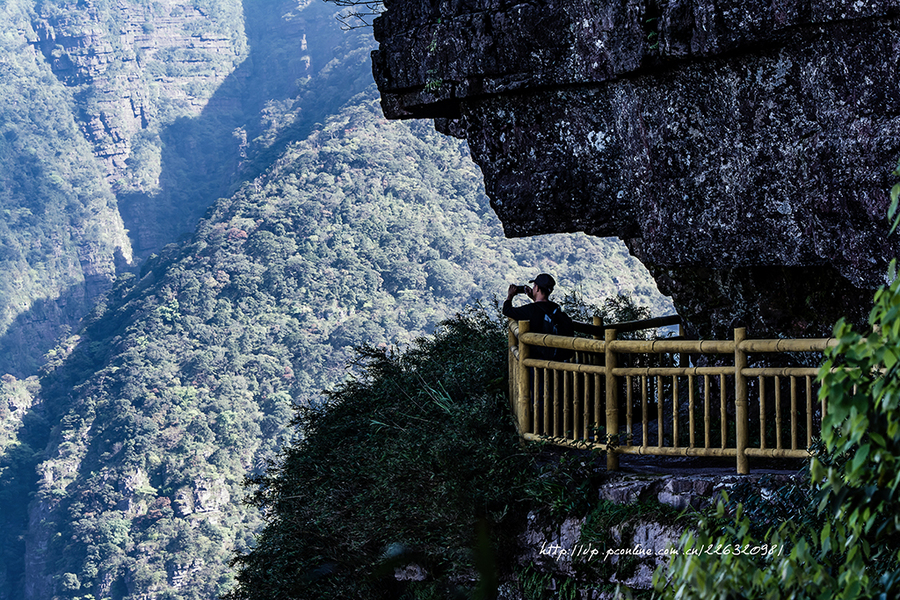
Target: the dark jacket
(536, 313)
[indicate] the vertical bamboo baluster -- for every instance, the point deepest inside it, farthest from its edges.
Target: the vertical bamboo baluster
(691, 423)
(660, 430)
(809, 405)
(644, 416)
(595, 422)
(629, 414)
(762, 413)
(560, 389)
(513, 344)
(576, 401)
(674, 411)
(554, 402)
(525, 416)
(612, 402)
(556, 395)
(722, 421)
(586, 418)
(793, 413)
(562, 386)
(777, 412)
(741, 400)
(706, 424)
(598, 397)
(546, 427)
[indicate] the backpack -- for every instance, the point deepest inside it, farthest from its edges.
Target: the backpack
(556, 322)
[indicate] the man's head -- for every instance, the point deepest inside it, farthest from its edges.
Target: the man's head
(545, 282)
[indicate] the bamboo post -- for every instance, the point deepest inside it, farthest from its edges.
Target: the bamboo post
(576, 402)
(740, 401)
(723, 413)
(612, 403)
(691, 423)
(660, 426)
(586, 417)
(793, 413)
(645, 418)
(762, 413)
(777, 412)
(524, 405)
(809, 405)
(629, 414)
(706, 423)
(513, 372)
(674, 411)
(545, 425)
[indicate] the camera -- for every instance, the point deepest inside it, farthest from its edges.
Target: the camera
(520, 289)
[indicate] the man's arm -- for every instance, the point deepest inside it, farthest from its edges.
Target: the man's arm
(520, 313)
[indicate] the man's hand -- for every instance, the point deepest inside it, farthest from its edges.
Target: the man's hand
(514, 290)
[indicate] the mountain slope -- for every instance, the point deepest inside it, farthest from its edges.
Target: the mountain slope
(60, 230)
(121, 466)
(182, 384)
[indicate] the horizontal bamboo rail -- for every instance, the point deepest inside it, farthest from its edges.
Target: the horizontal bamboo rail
(671, 407)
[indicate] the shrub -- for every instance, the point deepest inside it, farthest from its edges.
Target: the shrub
(405, 467)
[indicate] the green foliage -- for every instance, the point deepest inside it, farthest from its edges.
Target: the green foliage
(850, 547)
(397, 469)
(183, 380)
(614, 309)
(566, 483)
(54, 204)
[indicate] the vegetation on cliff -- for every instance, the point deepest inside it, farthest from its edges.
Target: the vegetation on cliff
(121, 466)
(183, 380)
(59, 227)
(401, 470)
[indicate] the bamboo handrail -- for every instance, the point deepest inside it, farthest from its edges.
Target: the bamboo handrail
(627, 326)
(567, 403)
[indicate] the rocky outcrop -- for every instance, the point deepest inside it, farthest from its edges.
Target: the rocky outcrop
(742, 150)
(134, 66)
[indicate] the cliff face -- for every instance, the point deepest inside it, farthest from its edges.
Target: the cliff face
(133, 65)
(742, 150)
(138, 73)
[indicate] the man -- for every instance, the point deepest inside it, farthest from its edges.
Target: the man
(545, 315)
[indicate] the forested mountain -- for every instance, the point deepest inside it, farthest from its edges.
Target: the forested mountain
(60, 229)
(123, 121)
(122, 459)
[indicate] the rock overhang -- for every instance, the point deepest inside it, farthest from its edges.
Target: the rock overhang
(718, 139)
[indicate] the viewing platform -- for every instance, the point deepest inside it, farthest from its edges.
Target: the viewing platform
(678, 397)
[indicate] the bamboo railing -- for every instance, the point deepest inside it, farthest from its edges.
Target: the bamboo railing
(729, 410)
